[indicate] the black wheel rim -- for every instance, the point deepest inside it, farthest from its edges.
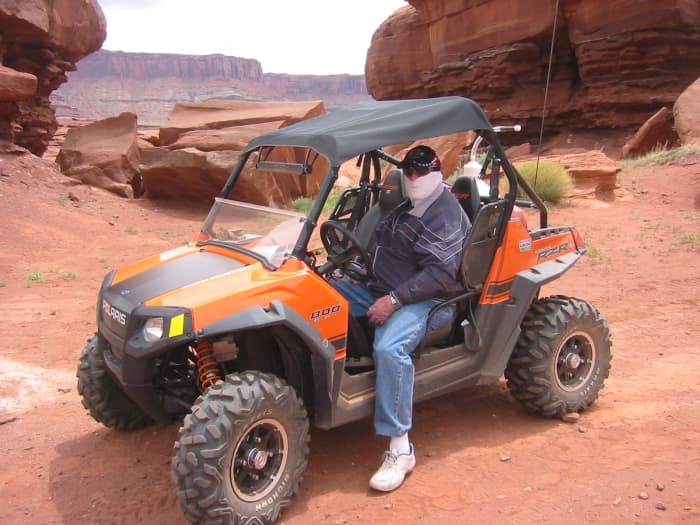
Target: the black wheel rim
(574, 362)
(258, 459)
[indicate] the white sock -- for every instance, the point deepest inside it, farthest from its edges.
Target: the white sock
(400, 444)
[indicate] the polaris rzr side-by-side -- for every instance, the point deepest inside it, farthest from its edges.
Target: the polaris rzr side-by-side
(240, 335)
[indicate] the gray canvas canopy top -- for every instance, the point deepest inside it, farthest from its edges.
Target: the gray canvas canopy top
(349, 132)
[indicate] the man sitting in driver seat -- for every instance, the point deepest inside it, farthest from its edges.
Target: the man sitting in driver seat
(419, 248)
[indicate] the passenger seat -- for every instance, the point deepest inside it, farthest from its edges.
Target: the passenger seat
(466, 191)
(390, 196)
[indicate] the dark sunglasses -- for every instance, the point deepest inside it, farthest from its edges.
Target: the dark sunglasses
(409, 171)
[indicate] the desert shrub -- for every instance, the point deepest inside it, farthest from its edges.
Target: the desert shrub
(549, 179)
(35, 276)
(303, 204)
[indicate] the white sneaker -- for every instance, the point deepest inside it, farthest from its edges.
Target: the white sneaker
(391, 474)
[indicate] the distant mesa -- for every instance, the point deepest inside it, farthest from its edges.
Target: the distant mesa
(107, 83)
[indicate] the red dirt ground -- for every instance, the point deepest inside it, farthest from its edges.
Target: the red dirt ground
(632, 458)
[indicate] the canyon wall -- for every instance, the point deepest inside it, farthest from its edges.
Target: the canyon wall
(615, 62)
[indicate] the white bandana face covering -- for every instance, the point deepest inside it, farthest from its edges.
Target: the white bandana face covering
(422, 187)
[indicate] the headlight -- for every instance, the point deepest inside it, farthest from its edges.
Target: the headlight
(153, 329)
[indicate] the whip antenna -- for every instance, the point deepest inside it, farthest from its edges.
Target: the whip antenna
(546, 88)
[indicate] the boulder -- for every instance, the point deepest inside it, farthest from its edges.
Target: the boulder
(184, 174)
(221, 114)
(657, 132)
(200, 144)
(686, 114)
(104, 154)
(607, 71)
(234, 138)
(192, 174)
(594, 173)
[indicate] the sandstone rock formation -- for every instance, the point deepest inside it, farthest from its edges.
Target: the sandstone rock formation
(104, 154)
(686, 114)
(191, 156)
(615, 62)
(110, 82)
(594, 173)
(186, 174)
(200, 144)
(40, 40)
(16, 86)
(657, 132)
(223, 114)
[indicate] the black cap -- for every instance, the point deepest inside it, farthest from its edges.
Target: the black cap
(421, 157)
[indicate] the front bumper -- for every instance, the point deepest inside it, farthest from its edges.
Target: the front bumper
(135, 368)
(131, 360)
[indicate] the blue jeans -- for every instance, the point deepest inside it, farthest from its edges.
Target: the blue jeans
(394, 342)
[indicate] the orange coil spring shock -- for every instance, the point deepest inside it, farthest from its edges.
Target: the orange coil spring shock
(208, 368)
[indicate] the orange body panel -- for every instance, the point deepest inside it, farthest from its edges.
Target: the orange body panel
(151, 262)
(294, 284)
(518, 252)
(156, 260)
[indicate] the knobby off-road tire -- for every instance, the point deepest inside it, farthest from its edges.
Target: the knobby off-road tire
(562, 357)
(242, 451)
(102, 396)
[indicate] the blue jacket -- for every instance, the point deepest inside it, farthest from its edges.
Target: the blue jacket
(419, 250)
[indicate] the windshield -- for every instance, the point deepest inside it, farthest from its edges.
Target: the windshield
(268, 232)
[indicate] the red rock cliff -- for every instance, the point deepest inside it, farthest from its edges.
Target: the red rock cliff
(615, 63)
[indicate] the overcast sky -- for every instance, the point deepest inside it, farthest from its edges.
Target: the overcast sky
(300, 37)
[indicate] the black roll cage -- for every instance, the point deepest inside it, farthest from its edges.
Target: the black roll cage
(371, 184)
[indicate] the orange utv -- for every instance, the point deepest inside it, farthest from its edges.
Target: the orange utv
(240, 336)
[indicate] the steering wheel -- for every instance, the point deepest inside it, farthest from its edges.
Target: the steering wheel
(344, 251)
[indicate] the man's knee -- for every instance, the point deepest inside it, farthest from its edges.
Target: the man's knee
(393, 352)
(382, 351)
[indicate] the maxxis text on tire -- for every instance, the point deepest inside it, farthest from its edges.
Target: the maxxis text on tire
(242, 451)
(102, 396)
(562, 357)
